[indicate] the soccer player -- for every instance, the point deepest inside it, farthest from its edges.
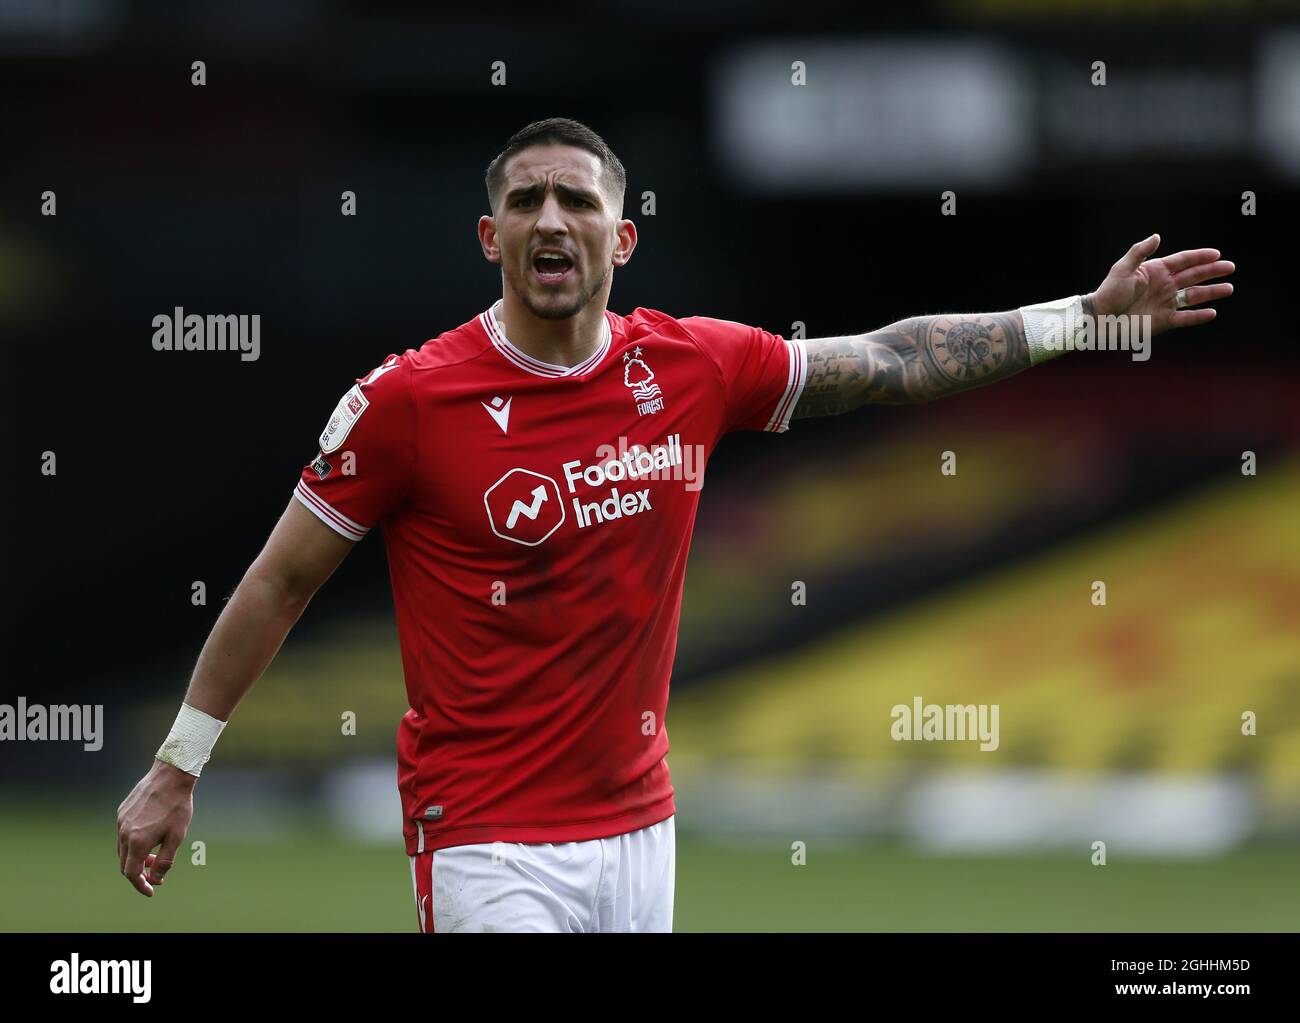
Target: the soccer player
(535, 472)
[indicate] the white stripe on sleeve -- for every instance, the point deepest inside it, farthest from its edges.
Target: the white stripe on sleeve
(798, 373)
(333, 518)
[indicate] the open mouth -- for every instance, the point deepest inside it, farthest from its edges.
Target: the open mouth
(552, 267)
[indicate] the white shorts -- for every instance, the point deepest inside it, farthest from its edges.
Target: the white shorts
(621, 883)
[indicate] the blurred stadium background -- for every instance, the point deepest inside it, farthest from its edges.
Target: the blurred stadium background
(773, 205)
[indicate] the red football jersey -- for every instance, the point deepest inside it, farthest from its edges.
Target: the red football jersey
(537, 520)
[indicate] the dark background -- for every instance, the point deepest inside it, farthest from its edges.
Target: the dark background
(172, 467)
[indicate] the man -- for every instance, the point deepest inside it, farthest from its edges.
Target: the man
(536, 472)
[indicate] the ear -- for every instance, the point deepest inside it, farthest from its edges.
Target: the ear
(487, 237)
(626, 243)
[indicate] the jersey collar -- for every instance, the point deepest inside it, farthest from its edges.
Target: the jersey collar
(492, 327)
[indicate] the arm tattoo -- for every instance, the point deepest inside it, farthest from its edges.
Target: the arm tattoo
(913, 360)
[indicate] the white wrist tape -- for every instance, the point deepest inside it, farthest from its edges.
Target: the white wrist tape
(1054, 328)
(190, 742)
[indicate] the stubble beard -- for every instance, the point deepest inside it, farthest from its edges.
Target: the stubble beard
(566, 310)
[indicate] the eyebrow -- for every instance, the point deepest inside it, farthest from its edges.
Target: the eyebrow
(568, 191)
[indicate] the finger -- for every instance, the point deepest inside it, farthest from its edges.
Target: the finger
(1205, 293)
(155, 868)
(134, 869)
(1204, 272)
(1140, 251)
(1187, 258)
(162, 862)
(1191, 317)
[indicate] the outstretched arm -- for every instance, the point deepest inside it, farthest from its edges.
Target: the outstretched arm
(927, 357)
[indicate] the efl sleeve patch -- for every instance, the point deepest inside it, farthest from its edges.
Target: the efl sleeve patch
(345, 416)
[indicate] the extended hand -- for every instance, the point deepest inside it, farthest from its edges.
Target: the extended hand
(1134, 287)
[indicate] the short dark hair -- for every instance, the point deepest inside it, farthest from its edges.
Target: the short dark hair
(566, 132)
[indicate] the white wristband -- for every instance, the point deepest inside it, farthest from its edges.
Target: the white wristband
(1054, 328)
(189, 744)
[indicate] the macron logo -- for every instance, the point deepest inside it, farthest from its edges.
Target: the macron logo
(531, 510)
(499, 411)
(380, 371)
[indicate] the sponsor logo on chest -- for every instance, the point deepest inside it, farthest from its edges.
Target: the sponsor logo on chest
(526, 507)
(634, 465)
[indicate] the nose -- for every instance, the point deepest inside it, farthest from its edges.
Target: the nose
(551, 220)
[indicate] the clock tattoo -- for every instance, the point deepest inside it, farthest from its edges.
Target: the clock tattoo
(968, 348)
(917, 359)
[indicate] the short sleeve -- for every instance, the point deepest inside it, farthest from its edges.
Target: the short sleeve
(366, 456)
(762, 374)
